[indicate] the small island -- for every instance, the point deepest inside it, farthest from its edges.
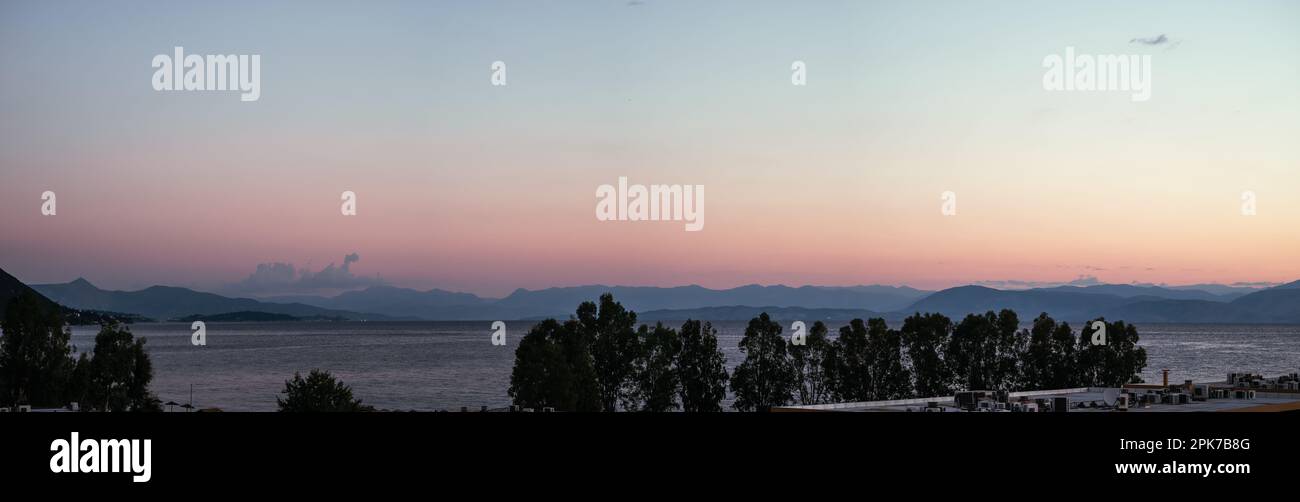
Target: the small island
(252, 316)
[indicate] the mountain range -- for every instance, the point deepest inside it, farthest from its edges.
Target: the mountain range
(1134, 303)
(11, 287)
(562, 301)
(167, 302)
(1280, 304)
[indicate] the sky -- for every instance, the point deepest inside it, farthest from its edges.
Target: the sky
(469, 186)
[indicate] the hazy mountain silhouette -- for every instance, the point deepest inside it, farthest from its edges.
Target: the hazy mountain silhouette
(1289, 285)
(743, 313)
(393, 301)
(165, 302)
(1130, 291)
(1275, 305)
(1132, 303)
(559, 302)
(11, 287)
(1226, 292)
(1073, 306)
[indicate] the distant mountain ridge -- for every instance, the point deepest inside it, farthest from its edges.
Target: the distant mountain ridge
(561, 301)
(745, 313)
(1130, 291)
(1134, 303)
(1279, 304)
(167, 302)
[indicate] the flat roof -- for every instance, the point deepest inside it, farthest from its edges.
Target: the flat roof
(1264, 401)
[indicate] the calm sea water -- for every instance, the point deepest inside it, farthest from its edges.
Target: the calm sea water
(447, 365)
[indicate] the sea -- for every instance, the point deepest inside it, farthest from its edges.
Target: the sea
(430, 366)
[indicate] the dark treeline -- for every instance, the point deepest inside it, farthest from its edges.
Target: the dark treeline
(37, 367)
(599, 360)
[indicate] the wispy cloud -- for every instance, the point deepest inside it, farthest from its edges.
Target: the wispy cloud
(1257, 284)
(1157, 40)
(1083, 280)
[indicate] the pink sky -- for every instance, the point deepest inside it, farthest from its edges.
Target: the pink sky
(467, 186)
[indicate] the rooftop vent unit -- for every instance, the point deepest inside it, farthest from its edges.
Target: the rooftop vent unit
(966, 400)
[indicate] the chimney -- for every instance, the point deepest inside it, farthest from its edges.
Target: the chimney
(1166, 373)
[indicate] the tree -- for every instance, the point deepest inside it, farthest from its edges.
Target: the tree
(319, 392)
(658, 380)
(985, 350)
(849, 364)
(35, 359)
(809, 361)
(701, 368)
(925, 338)
(1049, 361)
(615, 349)
(1119, 361)
(542, 377)
(766, 377)
(117, 377)
(889, 379)
(554, 364)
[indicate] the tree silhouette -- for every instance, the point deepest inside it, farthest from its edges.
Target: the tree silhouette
(849, 364)
(35, 358)
(926, 338)
(985, 350)
(117, 377)
(889, 379)
(615, 349)
(319, 392)
(658, 378)
(766, 378)
(702, 368)
(1050, 361)
(1115, 363)
(810, 361)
